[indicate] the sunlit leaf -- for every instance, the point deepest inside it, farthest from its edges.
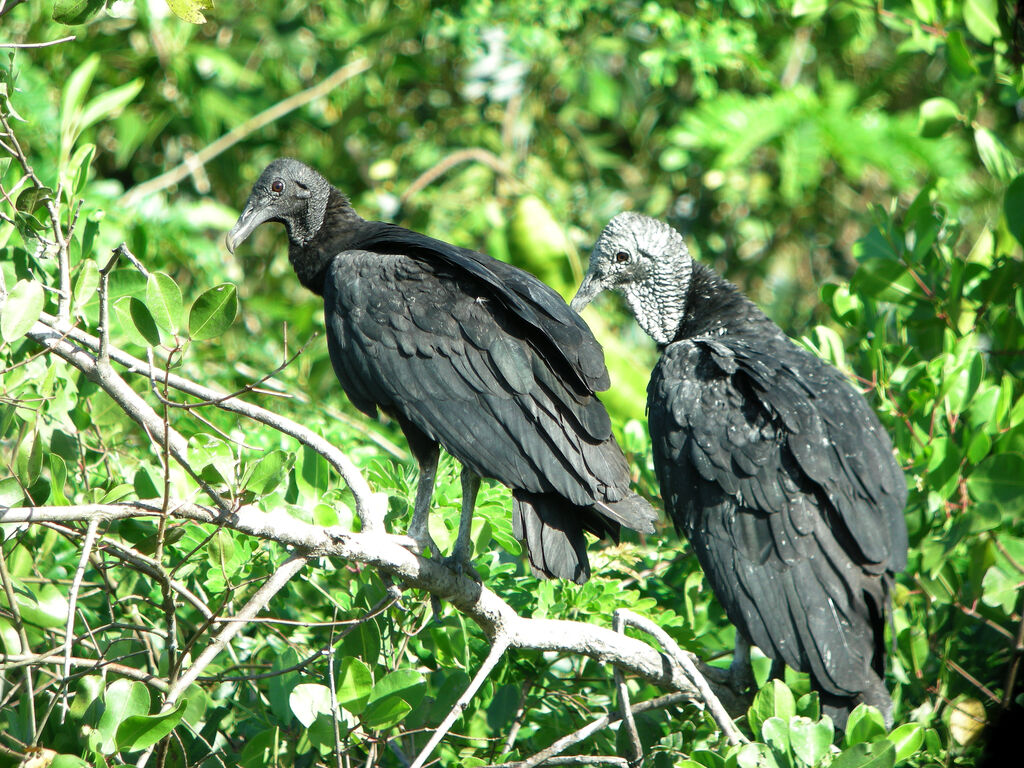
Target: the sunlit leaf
(121, 699)
(981, 18)
(877, 754)
(163, 299)
(190, 10)
(936, 116)
(999, 160)
(76, 11)
(1000, 480)
(142, 731)
(307, 700)
(109, 103)
(354, 685)
(23, 307)
(213, 312)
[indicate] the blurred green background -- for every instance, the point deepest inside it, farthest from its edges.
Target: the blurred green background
(853, 167)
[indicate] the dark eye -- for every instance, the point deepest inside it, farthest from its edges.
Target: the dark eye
(621, 257)
(277, 186)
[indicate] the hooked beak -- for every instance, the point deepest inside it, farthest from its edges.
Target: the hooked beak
(251, 217)
(589, 288)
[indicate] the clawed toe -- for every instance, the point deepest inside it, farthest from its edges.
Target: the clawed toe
(462, 566)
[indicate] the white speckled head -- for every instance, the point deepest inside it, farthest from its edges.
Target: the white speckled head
(647, 261)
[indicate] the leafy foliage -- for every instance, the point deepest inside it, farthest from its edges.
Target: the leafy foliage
(855, 168)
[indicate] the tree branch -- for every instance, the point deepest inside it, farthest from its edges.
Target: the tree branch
(391, 555)
(370, 506)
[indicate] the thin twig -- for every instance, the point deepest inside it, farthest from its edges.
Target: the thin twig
(69, 631)
(10, 661)
(636, 752)
(126, 398)
(546, 756)
(718, 712)
(60, 240)
(67, 39)
(499, 645)
(277, 581)
(235, 135)
(392, 555)
(335, 711)
(19, 625)
(370, 507)
(472, 154)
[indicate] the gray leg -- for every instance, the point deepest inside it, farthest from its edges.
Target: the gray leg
(741, 676)
(419, 531)
(463, 548)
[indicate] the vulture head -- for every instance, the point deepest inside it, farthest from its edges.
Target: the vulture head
(287, 192)
(647, 262)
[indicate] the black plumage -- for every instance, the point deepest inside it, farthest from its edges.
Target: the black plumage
(467, 352)
(771, 464)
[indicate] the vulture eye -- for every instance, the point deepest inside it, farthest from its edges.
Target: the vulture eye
(277, 186)
(621, 257)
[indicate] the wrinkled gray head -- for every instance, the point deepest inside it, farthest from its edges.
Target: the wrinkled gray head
(647, 262)
(288, 192)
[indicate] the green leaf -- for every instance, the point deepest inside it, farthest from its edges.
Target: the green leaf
(385, 713)
(809, 740)
(807, 7)
(878, 754)
(999, 160)
(108, 104)
(43, 605)
(190, 10)
(74, 91)
(936, 116)
(10, 492)
(354, 685)
(773, 700)
(865, 724)
(86, 283)
(142, 731)
(121, 700)
(268, 472)
(79, 166)
(886, 280)
(307, 700)
(981, 18)
(406, 683)
(163, 298)
(907, 739)
(960, 61)
(1000, 480)
(213, 312)
(775, 732)
(23, 307)
(1013, 208)
(143, 321)
(58, 476)
(314, 472)
(68, 761)
(76, 11)
(753, 756)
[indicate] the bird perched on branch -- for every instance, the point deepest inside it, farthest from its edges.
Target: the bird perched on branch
(467, 352)
(771, 464)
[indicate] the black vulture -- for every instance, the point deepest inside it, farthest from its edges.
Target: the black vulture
(770, 463)
(464, 351)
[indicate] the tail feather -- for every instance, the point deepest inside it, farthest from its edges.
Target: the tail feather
(633, 512)
(552, 530)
